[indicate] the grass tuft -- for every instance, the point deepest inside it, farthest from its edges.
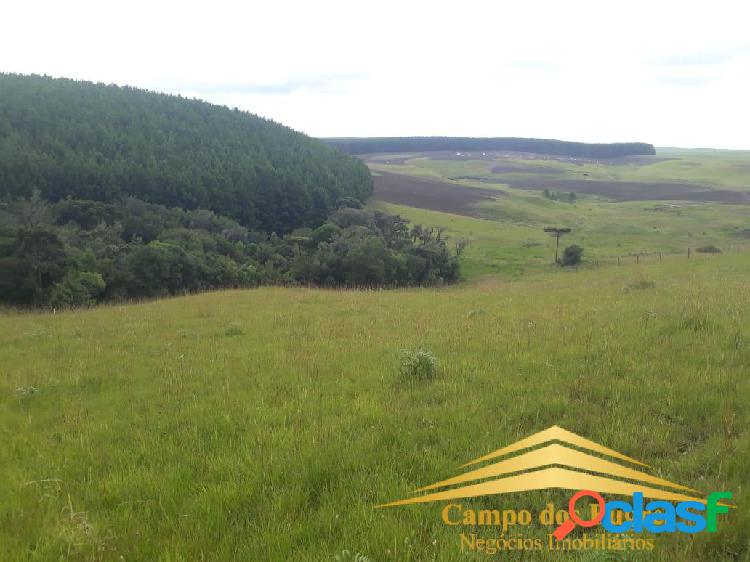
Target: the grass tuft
(418, 365)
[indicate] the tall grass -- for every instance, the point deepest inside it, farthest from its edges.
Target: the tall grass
(267, 424)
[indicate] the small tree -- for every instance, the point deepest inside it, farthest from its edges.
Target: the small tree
(572, 255)
(556, 231)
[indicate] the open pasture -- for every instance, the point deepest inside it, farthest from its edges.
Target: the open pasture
(267, 424)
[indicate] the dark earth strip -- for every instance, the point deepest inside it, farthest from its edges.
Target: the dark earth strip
(434, 195)
(634, 191)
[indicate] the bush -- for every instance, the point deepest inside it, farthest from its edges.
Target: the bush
(572, 256)
(708, 250)
(418, 364)
(325, 233)
(78, 288)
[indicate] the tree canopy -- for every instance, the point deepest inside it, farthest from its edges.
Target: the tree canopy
(66, 138)
(77, 252)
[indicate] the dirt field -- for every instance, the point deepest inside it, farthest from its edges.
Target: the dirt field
(438, 195)
(431, 194)
(634, 191)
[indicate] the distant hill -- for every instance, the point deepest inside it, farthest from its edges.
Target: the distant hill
(67, 138)
(536, 146)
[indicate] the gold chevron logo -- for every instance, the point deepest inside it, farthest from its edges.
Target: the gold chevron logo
(553, 460)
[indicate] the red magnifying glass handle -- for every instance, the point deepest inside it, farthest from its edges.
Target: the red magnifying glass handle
(562, 531)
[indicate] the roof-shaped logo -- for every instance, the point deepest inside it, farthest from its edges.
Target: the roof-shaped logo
(554, 458)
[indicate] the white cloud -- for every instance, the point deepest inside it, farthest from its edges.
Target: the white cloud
(672, 73)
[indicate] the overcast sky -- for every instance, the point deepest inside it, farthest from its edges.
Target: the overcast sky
(674, 73)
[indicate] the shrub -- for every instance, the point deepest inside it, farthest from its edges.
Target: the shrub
(572, 256)
(78, 288)
(710, 249)
(418, 364)
(325, 233)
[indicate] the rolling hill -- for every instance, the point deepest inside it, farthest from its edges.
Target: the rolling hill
(67, 138)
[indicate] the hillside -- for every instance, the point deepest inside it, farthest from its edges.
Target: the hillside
(510, 144)
(110, 193)
(268, 424)
(102, 142)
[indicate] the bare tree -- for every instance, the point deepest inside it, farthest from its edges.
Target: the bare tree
(461, 246)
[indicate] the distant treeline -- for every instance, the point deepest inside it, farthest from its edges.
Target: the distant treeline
(65, 138)
(78, 252)
(468, 144)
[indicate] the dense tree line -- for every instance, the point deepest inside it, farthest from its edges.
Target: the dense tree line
(469, 144)
(77, 252)
(66, 138)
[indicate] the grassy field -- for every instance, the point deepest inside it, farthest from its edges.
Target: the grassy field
(267, 424)
(721, 169)
(508, 235)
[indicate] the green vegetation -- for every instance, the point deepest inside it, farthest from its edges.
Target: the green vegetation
(572, 256)
(78, 252)
(65, 138)
(508, 236)
(419, 364)
(266, 424)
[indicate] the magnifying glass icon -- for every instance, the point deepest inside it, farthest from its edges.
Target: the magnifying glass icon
(563, 530)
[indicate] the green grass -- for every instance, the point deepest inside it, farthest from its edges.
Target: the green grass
(722, 169)
(515, 244)
(509, 238)
(267, 424)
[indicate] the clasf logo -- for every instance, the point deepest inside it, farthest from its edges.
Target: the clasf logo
(656, 517)
(559, 459)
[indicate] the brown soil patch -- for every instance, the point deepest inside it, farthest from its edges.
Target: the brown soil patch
(722, 195)
(635, 191)
(434, 195)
